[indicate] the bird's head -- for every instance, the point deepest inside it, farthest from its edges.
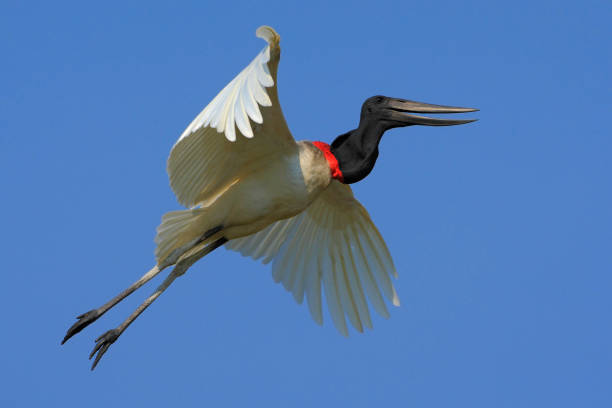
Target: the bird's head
(394, 112)
(357, 150)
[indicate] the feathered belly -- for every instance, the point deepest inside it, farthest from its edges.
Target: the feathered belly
(282, 189)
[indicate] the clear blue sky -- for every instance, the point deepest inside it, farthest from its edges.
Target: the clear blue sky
(500, 230)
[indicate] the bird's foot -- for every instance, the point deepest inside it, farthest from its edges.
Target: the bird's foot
(84, 320)
(102, 344)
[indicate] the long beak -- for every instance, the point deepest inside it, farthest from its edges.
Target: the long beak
(399, 107)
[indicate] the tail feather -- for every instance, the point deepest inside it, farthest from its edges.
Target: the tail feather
(177, 229)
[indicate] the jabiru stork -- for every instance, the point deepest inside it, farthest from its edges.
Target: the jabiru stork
(250, 186)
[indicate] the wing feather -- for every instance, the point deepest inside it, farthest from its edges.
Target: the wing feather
(332, 295)
(366, 274)
(333, 248)
(376, 263)
(351, 274)
(221, 144)
(293, 255)
(343, 291)
(279, 266)
(301, 264)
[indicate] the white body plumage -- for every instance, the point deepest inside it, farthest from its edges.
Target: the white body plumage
(284, 186)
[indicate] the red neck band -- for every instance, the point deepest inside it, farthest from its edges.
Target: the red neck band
(331, 160)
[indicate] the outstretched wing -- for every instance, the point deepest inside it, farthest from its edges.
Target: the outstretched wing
(335, 245)
(241, 126)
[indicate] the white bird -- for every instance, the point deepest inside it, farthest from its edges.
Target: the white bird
(251, 187)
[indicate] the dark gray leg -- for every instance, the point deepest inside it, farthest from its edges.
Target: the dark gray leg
(88, 318)
(104, 341)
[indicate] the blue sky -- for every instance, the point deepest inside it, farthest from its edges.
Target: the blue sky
(500, 230)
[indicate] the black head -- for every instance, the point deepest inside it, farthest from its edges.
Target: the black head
(394, 112)
(357, 150)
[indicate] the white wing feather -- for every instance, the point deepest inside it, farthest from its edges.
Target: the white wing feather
(211, 154)
(333, 244)
(238, 101)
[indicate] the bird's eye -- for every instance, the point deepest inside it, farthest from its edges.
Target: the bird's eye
(379, 99)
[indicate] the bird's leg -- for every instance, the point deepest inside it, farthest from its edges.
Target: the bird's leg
(88, 318)
(185, 262)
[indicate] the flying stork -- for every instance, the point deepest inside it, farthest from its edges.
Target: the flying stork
(250, 186)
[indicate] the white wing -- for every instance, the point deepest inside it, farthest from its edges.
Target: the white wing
(333, 244)
(241, 126)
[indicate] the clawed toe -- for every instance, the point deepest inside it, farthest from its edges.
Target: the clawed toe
(102, 344)
(84, 320)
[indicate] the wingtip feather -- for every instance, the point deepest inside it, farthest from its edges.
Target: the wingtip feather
(269, 34)
(395, 301)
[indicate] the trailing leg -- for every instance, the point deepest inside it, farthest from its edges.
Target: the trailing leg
(184, 262)
(88, 318)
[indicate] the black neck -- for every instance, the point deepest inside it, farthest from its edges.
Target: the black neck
(357, 150)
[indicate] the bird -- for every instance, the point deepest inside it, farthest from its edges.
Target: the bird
(248, 185)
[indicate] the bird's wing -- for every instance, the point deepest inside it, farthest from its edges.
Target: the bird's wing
(333, 244)
(241, 126)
